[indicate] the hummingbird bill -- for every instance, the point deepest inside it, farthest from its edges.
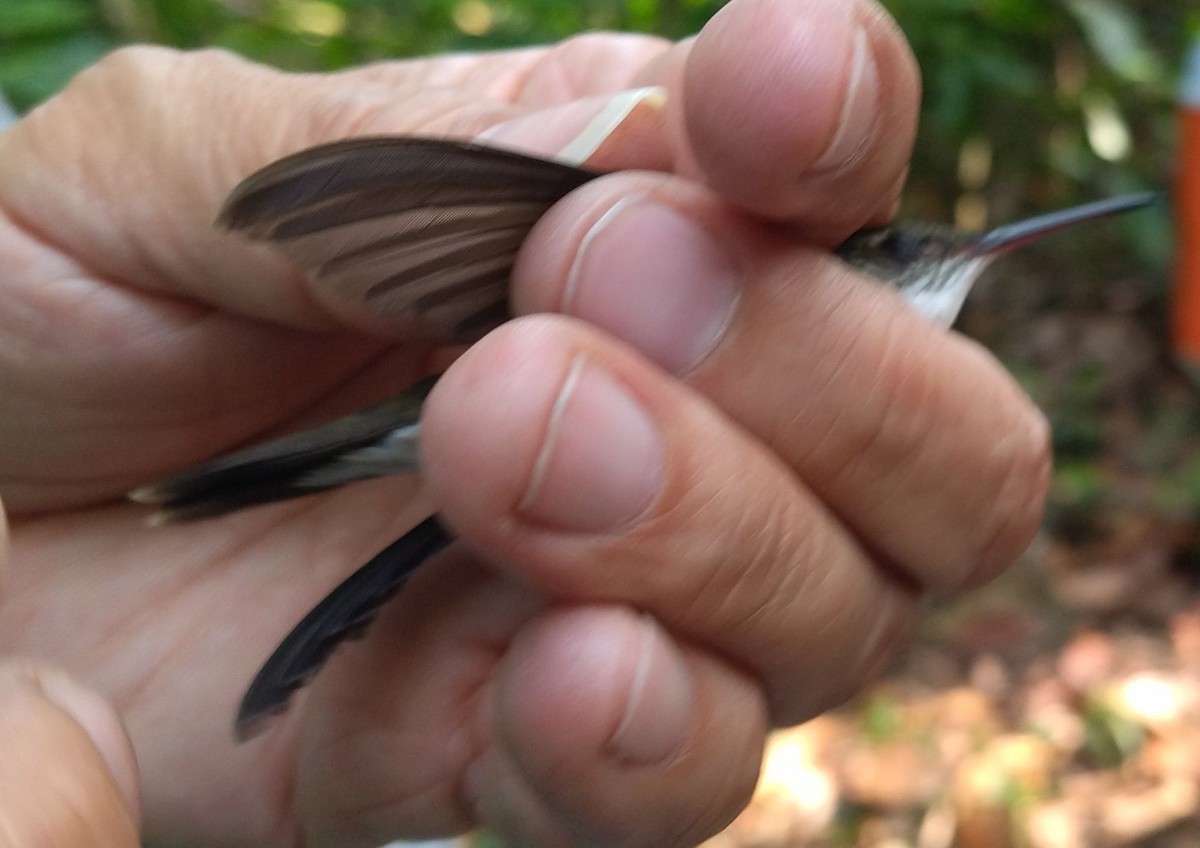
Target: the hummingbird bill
(424, 232)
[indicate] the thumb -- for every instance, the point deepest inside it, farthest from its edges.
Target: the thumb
(68, 776)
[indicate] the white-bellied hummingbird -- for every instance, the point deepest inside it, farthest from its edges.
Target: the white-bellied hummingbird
(425, 232)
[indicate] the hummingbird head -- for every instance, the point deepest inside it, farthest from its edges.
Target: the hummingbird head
(933, 266)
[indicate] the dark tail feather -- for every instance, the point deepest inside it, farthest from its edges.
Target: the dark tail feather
(277, 470)
(343, 614)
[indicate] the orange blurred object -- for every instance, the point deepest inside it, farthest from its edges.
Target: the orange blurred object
(1185, 318)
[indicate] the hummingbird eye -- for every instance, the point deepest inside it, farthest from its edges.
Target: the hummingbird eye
(904, 247)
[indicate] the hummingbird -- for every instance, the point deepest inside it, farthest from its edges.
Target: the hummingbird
(425, 232)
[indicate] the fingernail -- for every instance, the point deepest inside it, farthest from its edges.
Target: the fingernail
(859, 109)
(601, 464)
(619, 111)
(656, 278)
(659, 712)
(573, 132)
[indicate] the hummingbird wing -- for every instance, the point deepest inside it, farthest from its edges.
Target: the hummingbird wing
(378, 440)
(418, 227)
(422, 229)
(343, 614)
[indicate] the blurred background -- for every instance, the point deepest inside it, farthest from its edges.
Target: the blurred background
(1060, 706)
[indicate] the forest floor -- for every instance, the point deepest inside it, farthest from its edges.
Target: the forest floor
(1057, 708)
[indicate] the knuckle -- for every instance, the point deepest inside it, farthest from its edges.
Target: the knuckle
(1015, 512)
(135, 58)
(744, 566)
(119, 70)
(140, 75)
(940, 437)
(344, 112)
(880, 634)
(899, 402)
(346, 107)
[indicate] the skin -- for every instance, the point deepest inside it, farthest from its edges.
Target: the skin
(593, 663)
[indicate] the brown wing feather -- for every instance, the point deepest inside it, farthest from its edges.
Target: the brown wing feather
(417, 228)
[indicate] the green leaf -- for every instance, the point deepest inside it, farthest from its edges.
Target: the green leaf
(33, 72)
(1111, 736)
(1116, 36)
(22, 19)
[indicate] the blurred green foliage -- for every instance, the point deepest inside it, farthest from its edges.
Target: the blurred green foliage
(1112, 736)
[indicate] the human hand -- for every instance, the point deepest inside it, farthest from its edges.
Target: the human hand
(808, 456)
(67, 777)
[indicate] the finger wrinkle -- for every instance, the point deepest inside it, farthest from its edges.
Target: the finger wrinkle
(1016, 511)
(891, 622)
(25, 227)
(784, 552)
(838, 350)
(588, 64)
(890, 437)
(349, 112)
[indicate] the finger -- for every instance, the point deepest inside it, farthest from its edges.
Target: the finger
(581, 66)
(797, 110)
(67, 776)
(3, 543)
(390, 725)
(471, 704)
(914, 436)
(575, 463)
(612, 734)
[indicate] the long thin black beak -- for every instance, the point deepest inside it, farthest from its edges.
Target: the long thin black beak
(1012, 236)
